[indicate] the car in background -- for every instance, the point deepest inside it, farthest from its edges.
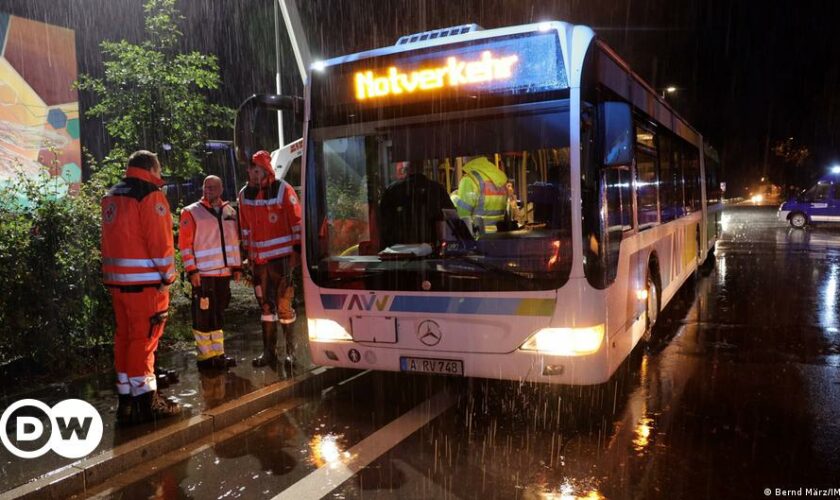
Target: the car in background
(819, 203)
(765, 193)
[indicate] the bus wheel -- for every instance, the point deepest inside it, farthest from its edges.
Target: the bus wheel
(652, 307)
(798, 220)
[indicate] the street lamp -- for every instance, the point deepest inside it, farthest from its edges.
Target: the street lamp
(668, 90)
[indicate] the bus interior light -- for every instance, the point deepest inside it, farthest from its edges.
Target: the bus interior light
(566, 341)
(326, 330)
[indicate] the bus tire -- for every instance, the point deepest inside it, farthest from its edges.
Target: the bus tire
(798, 220)
(652, 304)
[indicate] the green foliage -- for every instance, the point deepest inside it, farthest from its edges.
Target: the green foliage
(151, 95)
(346, 199)
(52, 300)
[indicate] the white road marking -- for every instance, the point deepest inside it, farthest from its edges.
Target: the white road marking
(321, 482)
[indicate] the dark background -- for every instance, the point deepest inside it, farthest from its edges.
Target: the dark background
(748, 73)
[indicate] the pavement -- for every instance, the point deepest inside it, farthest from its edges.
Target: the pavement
(211, 401)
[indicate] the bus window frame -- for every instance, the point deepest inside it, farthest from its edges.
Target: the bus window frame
(653, 153)
(368, 128)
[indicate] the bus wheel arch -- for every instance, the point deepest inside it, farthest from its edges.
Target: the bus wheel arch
(653, 300)
(798, 219)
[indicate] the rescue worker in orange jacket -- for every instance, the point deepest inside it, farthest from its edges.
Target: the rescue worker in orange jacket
(270, 221)
(209, 244)
(138, 266)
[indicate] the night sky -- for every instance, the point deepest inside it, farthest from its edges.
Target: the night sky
(748, 73)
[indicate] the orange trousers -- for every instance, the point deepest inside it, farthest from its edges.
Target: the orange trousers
(141, 317)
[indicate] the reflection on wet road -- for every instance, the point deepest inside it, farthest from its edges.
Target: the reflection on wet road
(740, 393)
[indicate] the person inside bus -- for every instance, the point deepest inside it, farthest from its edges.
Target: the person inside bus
(515, 212)
(411, 207)
(481, 197)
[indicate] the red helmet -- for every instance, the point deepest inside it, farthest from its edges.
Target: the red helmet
(262, 159)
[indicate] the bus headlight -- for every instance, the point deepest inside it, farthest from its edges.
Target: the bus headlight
(566, 341)
(326, 330)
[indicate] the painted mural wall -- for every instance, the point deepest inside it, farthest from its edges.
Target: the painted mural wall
(39, 109)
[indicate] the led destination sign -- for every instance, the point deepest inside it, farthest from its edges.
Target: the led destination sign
(454, 73)
(512, 64)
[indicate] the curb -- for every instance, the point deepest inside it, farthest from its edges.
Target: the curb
(86, 473)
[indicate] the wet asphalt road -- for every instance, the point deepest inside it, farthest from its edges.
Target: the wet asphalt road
(740, 393)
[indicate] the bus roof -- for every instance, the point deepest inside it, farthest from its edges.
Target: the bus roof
(478, 34)
(579, 36)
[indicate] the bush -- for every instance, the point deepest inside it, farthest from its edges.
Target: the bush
(52, 301)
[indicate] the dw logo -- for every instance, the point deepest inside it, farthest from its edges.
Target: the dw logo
(72, 428)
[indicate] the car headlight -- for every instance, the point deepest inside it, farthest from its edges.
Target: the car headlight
(326, 330)
(566, 341)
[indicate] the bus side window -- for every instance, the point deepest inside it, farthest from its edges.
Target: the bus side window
(668, 183)
(691, 176)
(647, 178)
(617, 198)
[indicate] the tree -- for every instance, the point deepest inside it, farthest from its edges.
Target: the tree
(791, 161)
(791, 152)
(153, 97)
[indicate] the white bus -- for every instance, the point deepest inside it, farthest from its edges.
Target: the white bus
(607, 216)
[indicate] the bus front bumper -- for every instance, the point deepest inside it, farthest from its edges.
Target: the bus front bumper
(518, 365)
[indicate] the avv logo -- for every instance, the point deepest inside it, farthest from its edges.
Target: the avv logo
(30, 428)
(363, 303)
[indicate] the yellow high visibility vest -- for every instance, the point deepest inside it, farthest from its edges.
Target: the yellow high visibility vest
(481, 192)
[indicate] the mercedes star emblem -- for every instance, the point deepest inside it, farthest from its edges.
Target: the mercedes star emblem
(429, 333)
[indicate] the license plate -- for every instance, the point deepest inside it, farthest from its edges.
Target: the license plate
(428, 365)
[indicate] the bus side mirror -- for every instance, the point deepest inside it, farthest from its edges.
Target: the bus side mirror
(617, 133)
(246, 119)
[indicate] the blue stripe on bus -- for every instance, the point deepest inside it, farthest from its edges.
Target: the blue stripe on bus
(454, 305)
(331, 301)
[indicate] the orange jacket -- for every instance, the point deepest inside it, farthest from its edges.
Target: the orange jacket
(269, 218)
(209, 241)
(137, 244)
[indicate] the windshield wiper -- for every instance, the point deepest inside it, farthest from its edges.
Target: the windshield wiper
(485, 266)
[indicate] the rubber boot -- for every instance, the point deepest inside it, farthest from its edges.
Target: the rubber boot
(214, 363)
(229, 362)
(162, 380)
(290, 361)
(151, 406)
(269, 335)
(171, 376)
(124, 410)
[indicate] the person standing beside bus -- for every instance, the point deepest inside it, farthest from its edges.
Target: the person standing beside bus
(209, 244)
(270, 221)
(138, 265)
(481, 195)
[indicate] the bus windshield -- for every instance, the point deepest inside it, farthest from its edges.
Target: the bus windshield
(475, 202)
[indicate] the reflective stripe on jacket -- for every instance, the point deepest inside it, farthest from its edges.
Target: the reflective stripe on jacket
(137, 244)
(209, 241)
(481, 191)
(269, 218)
